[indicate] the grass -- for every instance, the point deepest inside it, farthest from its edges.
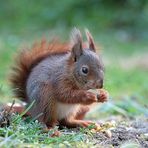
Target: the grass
(122, 83)
(22, 133)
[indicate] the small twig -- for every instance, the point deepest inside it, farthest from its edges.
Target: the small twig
(36, 117)
(11, 106)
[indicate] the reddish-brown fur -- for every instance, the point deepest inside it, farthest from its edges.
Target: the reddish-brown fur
(27, 59)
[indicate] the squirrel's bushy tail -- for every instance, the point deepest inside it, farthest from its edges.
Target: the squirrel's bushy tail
(27, 59)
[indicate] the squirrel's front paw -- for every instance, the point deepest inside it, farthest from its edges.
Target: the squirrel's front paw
(89, 98)
(102, 96)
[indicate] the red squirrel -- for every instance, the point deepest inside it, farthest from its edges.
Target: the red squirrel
(58, 76)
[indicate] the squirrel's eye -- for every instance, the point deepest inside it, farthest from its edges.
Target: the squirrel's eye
(84, 70)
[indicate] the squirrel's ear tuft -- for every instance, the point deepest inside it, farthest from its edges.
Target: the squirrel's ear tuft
(90, 40)
(76, 41)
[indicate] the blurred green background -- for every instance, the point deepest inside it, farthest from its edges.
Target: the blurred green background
(120, 27)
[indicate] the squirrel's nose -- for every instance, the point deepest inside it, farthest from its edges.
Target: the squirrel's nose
(100, 83)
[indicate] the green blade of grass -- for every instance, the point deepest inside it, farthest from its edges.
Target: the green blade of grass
(23, 113)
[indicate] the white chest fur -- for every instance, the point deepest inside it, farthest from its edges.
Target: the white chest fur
(64, 110)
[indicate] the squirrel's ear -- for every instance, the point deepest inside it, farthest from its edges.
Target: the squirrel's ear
(90, 40)
(76, 41)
